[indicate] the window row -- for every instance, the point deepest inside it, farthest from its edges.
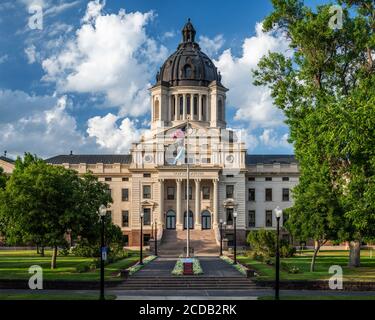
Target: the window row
(268, 194)
(125, 217)
(267, 179)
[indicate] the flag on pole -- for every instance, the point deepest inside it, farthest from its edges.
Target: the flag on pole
(179, 141)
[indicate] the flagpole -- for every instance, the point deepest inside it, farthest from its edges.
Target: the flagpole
(187, 193)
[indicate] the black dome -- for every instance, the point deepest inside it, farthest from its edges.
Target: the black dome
(188, 66)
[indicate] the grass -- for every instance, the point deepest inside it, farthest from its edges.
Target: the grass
(342, 297)
(14, 264)
(52, 296)
(325, 259)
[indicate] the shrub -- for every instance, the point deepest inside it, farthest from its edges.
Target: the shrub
(84, 267)
(263, 242)
(64, 252)
(287, 251)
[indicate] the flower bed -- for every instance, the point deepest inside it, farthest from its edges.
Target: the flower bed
(242, 269)
(137, 267)
(178, 269)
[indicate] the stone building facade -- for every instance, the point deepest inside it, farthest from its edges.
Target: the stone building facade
(223, 178)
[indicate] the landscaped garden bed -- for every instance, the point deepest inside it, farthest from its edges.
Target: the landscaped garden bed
(138, 266)
(240, 268)
(178, 269)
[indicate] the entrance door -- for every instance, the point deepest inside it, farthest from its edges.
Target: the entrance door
(191, 220)
(171, 220)
(206, 220)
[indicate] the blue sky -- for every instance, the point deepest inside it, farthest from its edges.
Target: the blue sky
(81, 82)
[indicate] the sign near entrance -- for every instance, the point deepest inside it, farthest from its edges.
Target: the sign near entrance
(104, 251)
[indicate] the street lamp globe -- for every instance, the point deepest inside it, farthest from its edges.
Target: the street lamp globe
(102, 210)
(235, 213)
(221, 220)
(278, 212)
(142, 214)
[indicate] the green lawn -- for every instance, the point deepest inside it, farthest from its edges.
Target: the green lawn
(52, 296)
(320, 298)
(15, 265)
(325, 259)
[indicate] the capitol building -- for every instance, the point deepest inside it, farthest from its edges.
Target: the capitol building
(224, 180)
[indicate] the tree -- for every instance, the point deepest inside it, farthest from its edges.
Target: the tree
(3, 178)
(44, 203)
(326, 92)
(316, 213)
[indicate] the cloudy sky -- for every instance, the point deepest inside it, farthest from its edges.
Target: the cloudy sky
(80, 83)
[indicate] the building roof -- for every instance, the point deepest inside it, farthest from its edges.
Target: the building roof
(188, 66)
(7, 159)
(126, 159)
(91, 159)
(270, 159)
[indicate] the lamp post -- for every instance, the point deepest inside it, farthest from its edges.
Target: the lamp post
(102, 214)
(156, 238)
(221, 237)
(235, 235)
(141, 241)
(278, 214)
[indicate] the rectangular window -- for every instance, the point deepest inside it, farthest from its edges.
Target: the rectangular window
(251, 194)
(108, 179)
(285, 178)
(268, 178)
(190, 193)
(285, 194)
(206, 160)
(147, 192)
(170, 193)
(230, 191)
(125, 179)
(125, 194)
(268, 194)
(146, 216)
(230, 176)
(125, 240)
(269, 218)
(125, 219)
(146, 239)
(229, 216)
(109, 191)
(147, 175)
(206, 193)
(251, 178)
(251, 219)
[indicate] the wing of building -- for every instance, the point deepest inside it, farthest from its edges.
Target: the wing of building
(223, 178)
(7, 164)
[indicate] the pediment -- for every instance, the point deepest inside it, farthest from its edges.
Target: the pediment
(230, 203)
(148, 203)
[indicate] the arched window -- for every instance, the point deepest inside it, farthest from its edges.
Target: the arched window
(204, 108)
(188, 71)
(188, 104)
(181, 105)
(195, 106)
(156, 110)
(220, 110)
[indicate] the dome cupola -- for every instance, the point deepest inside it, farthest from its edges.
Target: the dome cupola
(188, 66)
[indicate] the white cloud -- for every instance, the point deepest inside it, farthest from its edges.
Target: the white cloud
(45, 133)
(55, 10)
(31, 54)
(113, 137)
(3, 58)
(211, 46)
(270, 139)
(112, 55)
(17, 104)
(169, 34)
(254, 104)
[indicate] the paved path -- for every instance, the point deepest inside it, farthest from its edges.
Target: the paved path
(212, 267)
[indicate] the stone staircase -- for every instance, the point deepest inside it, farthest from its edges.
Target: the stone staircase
(187, 283)
(203, 242)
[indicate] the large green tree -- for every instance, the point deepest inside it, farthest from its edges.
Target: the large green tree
(326, 90)
(43, 204)
(3, 178)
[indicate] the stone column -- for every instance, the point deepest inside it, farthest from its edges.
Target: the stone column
(197, 203)
(161, 204)
(184, 106)
(200, 108)
(216, 202)
(175, 99)
(179, 215)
